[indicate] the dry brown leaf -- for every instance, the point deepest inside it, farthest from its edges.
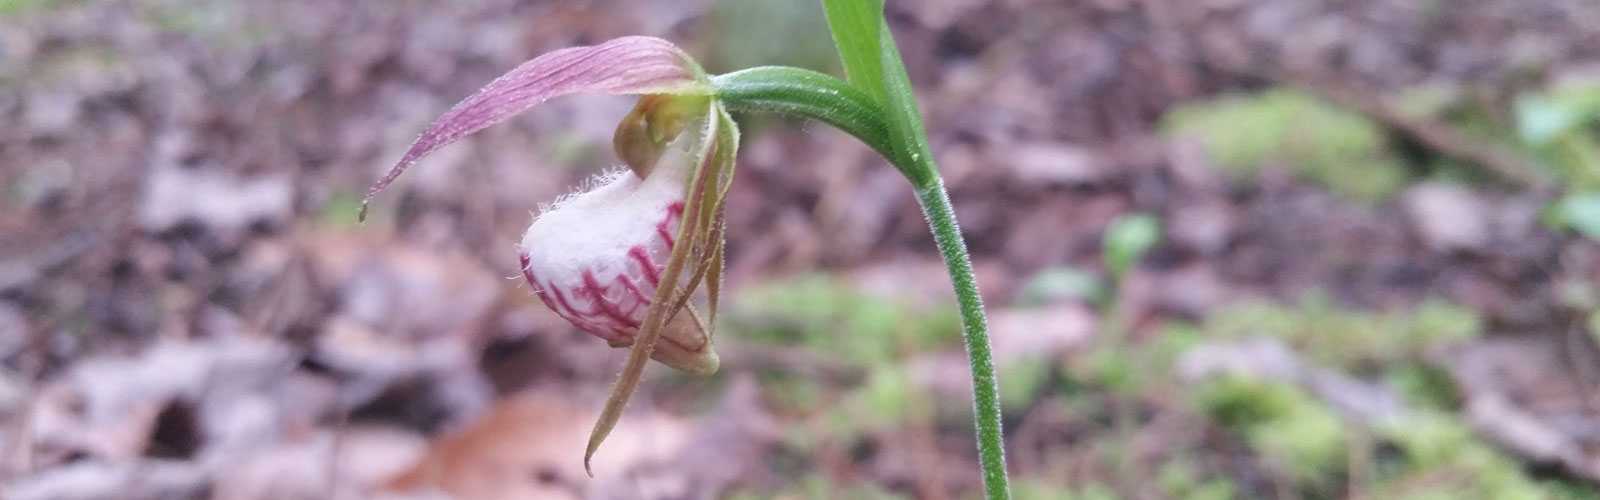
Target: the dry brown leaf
(531, 446)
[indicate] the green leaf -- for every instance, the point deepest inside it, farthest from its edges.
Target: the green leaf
(1316, 140)
(1060, 283)
(1581, 213)
(1594, 325)
(854, 24)
(914, 156)
(1543, 117)
(1127, 239)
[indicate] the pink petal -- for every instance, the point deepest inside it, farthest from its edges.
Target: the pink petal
(627, 65)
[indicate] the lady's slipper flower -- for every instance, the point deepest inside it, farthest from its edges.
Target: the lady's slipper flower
(621, 260)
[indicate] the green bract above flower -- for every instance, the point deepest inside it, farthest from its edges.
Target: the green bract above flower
(624, 259)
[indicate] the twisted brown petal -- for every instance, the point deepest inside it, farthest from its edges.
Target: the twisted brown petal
(697, 253)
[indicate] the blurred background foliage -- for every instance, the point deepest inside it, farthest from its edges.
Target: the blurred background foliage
(1290, 129)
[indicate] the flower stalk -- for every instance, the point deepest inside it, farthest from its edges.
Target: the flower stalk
(878, 107)
(872, 62)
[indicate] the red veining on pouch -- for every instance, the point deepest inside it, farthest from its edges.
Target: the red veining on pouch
(619, 304)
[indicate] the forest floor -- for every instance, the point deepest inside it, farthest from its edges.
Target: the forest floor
(1231, 249)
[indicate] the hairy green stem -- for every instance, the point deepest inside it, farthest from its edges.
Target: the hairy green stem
(915, 158)
(802, 92)
(877, 106)
(985, 388)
